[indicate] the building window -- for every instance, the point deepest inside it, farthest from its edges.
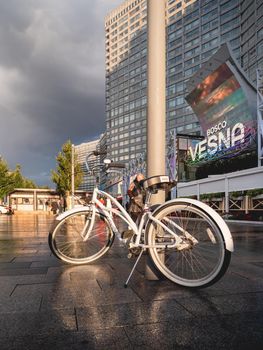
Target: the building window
(192, 52)
(229, 4)
(209, 35)
(191, 34)
(175, 88)
(177, 101)
(192, 61)
(191, 71)
(260, 49)
(229, 35)
(175, 60)
(209, 16)
(225, 17)
(192, 25)
(209, 44)
(191, 43)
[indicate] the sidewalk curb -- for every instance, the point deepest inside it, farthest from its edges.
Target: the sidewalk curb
(257, 223)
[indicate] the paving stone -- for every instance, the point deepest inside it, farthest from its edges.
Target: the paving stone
(222, 305)
(249, 270)
(23, 279)
(6, 287)
(32, 324)
(107, 316)
(114, 339)
(46, 263)
(36, 258)
(19, 272)
(6, 258)
(15, 265)
(158, 290)
(200, 333)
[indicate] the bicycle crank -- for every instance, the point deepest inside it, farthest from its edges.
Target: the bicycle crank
(135, 251)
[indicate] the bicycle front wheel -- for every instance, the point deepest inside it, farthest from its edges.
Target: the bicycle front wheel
(202, 258)
(66, 239)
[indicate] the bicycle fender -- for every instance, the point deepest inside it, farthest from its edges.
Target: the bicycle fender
(73, 211)
(212, 213)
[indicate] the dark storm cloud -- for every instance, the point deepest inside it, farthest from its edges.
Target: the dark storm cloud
(51, 78)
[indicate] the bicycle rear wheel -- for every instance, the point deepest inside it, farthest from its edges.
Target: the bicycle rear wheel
(200, 263)
(67, 244)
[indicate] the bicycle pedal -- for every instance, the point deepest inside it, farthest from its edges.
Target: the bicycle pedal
(135, 251)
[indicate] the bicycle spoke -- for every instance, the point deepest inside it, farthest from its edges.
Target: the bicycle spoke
(69, 244)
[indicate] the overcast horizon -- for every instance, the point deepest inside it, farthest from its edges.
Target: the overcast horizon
(52, 76)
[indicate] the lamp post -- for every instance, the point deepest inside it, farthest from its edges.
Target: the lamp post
(72, 175)
(156, 92)
(156, 103)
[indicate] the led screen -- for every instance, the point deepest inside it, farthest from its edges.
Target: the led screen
(226, 119)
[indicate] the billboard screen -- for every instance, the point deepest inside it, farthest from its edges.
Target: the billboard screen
(227, 120)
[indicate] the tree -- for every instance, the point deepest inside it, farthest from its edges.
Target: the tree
(62, 175)
(20, 181)
(6, 182)
(11, 179)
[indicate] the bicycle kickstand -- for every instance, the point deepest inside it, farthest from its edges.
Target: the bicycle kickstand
(134, 266)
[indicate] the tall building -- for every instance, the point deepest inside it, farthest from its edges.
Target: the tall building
(126, 80)
(195, 31)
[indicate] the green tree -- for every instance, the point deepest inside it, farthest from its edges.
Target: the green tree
(20, 181)
(11, 179)
(6, 181)
(62, 175)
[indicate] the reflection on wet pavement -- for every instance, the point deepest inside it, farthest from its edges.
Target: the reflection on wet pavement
(47, 304)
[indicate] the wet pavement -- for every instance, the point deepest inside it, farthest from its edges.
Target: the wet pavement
(46, 304)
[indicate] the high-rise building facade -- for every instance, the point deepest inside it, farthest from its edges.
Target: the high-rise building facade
(251, 41)
(195, 31)
(126, 81)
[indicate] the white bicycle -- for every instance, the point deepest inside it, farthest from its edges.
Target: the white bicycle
(188, 242)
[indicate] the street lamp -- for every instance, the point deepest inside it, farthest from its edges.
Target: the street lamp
(72, 175)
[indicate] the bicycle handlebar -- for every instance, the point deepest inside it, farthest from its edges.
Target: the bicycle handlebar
(111, 165)
(116, 165)
(98, 153)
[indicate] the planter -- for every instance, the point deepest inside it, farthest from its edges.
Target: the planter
(259, 196)
(236, 198)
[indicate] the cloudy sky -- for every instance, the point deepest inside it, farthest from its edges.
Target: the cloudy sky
(51, 79)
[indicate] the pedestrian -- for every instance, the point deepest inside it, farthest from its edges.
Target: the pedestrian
(46, 206)
(60, 206)
(54, 207)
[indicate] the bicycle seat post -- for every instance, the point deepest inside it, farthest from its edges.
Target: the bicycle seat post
(147, 199)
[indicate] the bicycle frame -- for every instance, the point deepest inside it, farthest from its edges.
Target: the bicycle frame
(107, 211)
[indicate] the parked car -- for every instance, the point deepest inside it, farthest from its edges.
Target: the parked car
(5, 209)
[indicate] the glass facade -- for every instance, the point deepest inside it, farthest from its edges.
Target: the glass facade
(195, 31)
(126, 81)
(82, 151)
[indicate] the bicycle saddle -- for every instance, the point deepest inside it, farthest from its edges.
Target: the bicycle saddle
(159, 182)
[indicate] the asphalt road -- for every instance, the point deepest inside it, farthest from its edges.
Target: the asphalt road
(45, 304)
